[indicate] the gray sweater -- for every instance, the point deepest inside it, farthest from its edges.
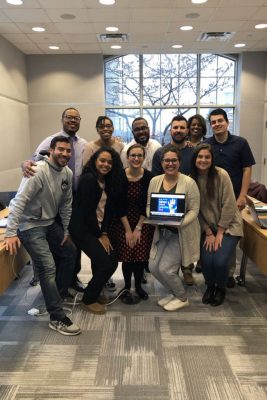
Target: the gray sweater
(40, 198)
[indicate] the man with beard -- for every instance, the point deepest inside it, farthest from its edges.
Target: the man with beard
(32, 221)
(179, 133)
(141, 134)
(70, 125)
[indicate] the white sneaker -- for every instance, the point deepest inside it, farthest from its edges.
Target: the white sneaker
(175, 304)
(165, 300)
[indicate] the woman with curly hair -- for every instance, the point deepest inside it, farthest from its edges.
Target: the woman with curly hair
(95, 202)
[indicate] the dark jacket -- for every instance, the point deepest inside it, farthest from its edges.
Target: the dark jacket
(84, 218)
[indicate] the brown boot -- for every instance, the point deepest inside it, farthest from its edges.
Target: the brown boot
(188, 279)
(94, 308)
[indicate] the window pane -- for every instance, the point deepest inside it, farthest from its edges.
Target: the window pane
(208, 65)
(122, 120)
(187, 65)
(208, 88)
(226, 91)
(151, 65)
(187, 91)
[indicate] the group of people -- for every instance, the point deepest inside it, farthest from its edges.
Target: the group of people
(94, 197)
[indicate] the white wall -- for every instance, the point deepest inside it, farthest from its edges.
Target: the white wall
(56, 82)
(252, 102)
(15, 143)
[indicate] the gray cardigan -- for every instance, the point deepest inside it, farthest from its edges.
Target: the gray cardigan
(189, 230)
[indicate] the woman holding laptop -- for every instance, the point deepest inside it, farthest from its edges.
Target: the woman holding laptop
(220, 220)
(174, 246)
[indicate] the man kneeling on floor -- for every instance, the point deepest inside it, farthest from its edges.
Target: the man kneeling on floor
(32, 221)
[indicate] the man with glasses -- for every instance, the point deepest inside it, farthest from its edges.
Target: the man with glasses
(70, 125)
(141, 134)
(179, 133)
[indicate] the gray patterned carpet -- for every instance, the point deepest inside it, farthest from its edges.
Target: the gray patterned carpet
(138, 352)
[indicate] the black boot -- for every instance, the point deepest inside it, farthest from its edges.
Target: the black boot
(219, 297)
(208, 296)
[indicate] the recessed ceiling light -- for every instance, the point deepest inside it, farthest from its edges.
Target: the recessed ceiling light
(177, 46)
(186, 28)
(38, 29)
(261, 26)
(199, 1)
(112, 29)
(67, 16)
(240, 45)
(115, 46)
(54, 47)
(107, 2)
(15, 2)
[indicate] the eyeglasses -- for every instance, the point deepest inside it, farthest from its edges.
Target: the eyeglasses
(170, 160)
(108, 126)
(141, 128)
(70, 118)
(136, 155)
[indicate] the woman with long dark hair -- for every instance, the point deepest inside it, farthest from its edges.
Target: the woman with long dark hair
(94, 205)
(220, 220)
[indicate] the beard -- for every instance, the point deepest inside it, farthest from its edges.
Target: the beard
(143, 139)
(178, 140)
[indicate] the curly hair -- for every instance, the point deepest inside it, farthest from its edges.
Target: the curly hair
(115, 178)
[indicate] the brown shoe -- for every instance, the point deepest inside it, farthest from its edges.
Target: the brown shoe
(103, 299)
(94, 308)
(188, 279)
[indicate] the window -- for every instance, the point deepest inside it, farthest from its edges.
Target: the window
(160, 86)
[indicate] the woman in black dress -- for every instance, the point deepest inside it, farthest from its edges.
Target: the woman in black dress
(133, 238)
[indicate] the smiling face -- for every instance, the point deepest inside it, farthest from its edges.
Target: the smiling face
(136, 157)
(196, 130)
(103, 163)
(179, 131)
(105, 130)
(219, 125)
(203, 161)
(61, 154)
(71, 121)
(141, 131)
(170, 163)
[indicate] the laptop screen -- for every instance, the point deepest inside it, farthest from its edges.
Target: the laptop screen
(167, 205)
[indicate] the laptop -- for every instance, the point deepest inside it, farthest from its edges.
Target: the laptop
(262, 222)
(166, 209)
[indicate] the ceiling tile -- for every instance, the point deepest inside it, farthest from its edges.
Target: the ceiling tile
(25, 15)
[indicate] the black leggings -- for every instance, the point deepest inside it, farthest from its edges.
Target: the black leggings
(135, 268)
(103, 266)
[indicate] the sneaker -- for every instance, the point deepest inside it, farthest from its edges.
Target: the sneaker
(175, 304)
(188, 279)
(110, 286)
(231, 282)
(34, 281)
(65, 327)
(94, 308)
(165, 300)
(71, 300)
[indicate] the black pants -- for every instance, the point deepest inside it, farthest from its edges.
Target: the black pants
(103, 266)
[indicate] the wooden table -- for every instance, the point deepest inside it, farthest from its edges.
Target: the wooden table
(254, 246)
(10, 265)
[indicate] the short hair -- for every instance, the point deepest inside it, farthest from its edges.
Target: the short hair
(67, 109)
(57, 139)
(172, 148)
(100, 120)
(201, 120)
(135, 146)
(219, 111)
(139, 119)
(179, 118)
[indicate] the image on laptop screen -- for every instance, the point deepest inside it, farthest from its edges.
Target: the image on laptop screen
(167, 205)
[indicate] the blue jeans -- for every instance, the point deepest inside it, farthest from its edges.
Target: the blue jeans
(43, 245)
(215, 263)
